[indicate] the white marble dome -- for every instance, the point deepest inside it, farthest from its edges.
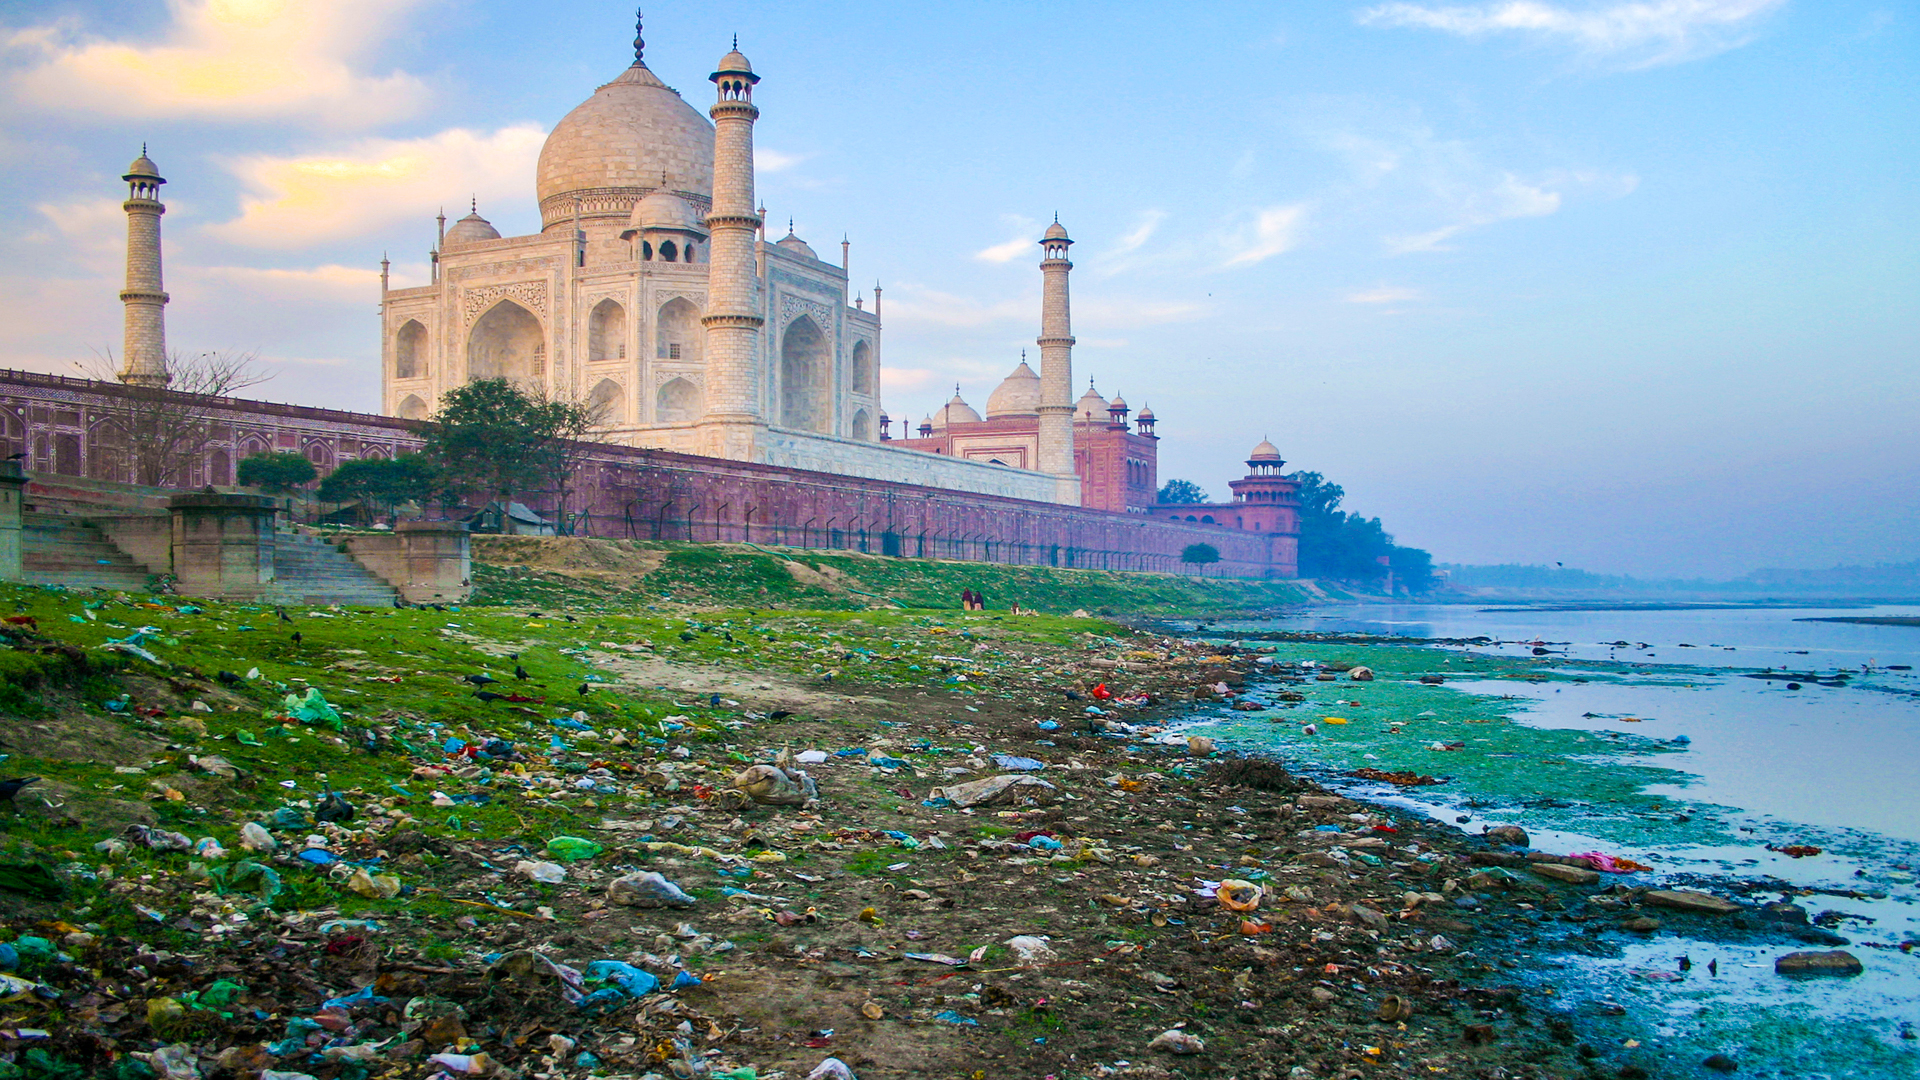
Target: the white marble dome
(471, 230)
(1017, 395)
(956, 411)
(616, 146)
(1090, 402)
(796, 245)
(664, 210)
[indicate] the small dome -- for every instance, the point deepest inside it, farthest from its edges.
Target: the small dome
(662, 209)
(734, 63)
(956, 411)
(1017, 395)
(471, 230)
(1055, 231)
(1266, 451)
(143, 168)
(1146, 413)
(1090, 402)
(799, 247)
(1118, 402)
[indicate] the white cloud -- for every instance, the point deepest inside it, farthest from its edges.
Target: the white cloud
(1141, 233)
(773, 161)
(1273, 231)
(1645, 33)
(1384, 294)
(225, 60)
(1008, 251)
(329, 282)
(1509, 198)
(916, 305)
(300, 200)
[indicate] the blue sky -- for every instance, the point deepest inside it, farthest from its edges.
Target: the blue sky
(1628, 286)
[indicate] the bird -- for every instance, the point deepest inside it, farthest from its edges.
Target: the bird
(282, 612)
(296, 637)
(1686, 963)
(1074, 695)
(480, 680)
(728, 635)
(520, 673)
(488, 695)
(686, 636)
(1713, 968)
(228, 678)
(334, 807)
(10, 788)
(585, 689)
(16, 457)
(779, 714)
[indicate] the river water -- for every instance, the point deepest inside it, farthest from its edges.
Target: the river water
(1833, 763)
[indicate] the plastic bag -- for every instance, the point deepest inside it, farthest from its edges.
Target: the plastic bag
(373, 886)
(544, 872)
(631, 980)
(312, 709)
(831, 1069)
(572, 848)
(770, 785)
(255, 837)
(647, 888)
(1236, 895)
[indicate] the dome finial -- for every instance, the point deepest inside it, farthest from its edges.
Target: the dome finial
(639, 43)
(473, 204)
(736, 41)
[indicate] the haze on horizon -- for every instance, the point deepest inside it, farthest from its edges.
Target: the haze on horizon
(1628, 286)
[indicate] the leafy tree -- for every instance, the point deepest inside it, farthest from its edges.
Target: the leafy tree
(1344, 546)
(493, 438)
(381, 482)
(279, 472)
(1200, 554)
(1181, 492)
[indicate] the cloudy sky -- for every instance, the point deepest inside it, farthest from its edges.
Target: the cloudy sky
(1630, 286)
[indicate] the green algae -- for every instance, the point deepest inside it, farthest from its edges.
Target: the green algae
(1586, 782)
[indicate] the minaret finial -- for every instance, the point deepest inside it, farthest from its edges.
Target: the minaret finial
(736, 42)
(473, 204)
(639, 43)
(143, 148)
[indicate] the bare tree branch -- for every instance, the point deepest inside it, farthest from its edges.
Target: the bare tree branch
(163, 432)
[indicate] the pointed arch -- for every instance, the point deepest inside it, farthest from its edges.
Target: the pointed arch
(607, 331)
(863, 374)
(863, 426)
(507, 343)
(678, 402)
(411, 408)
(410, 351)
(607, 403)
(677, 331)
(806, 376)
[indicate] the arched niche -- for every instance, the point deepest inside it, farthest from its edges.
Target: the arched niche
(677, 333)
(506, 343)
(605, 403)
(863, 368)
(863, 426)
(410, 351)
(411, 408)
(678, 402)
(806, 374)
(607, 331)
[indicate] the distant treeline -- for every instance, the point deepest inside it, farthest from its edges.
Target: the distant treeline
(1884, 580)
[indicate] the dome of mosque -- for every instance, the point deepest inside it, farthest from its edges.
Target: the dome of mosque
(734, 63)
(1118, 402)
(472, 229)
(1146, 413)
(956, 411)
(1266, 451)
(1055, 231)
(664, 210)
(1090, 402)
(799, 247)
(617, 145)
(143, 168)
(1017, 395)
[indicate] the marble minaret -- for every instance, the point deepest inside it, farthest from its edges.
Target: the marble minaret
(733, 321)
(1055, 451)
(144, 355)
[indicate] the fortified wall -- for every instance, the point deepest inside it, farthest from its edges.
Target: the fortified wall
(71, 427)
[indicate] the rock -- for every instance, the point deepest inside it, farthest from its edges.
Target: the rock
(1571, 875)
(1322, 802)
(1496, 858)
(1783, 911)
(1831, 962)
(1688, 900)
(1641, 925)
(1361, 674)
(1370, 917)
(1512, 835)
(1175, 1041)
(1721, 1063)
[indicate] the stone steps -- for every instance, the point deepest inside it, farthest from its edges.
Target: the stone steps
(309, 571)
(57, 549)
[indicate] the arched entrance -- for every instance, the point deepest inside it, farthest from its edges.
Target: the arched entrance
(507, 343)
(806, 375)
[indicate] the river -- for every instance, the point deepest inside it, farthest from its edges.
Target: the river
(1662, 707)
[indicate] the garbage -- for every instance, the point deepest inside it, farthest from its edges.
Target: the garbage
(1613, 864)
(544, 872)
(311, 708)
(832, 1069)
(255, 837)
(1176, 1041)
(157, 839)
(1031, 950)
(994, 791)
(1018, 764)
(647, 888)
(631, 980)
(333, 807)
(948, 1016)
(373, 886)
(572, 848)
(1361, 674)
(1236, 895)
(770, 785)
(1199, 745)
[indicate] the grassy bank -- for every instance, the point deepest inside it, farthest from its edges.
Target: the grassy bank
(625, 573)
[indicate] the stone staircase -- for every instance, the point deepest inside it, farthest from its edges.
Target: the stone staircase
(59, 549)
(308, 570)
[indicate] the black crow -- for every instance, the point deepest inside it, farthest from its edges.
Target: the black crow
(10, 788)
(520, 673)
(480, 680)
(296, 638)
(229, 678)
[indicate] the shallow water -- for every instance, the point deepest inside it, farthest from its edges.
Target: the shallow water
(1835, 766)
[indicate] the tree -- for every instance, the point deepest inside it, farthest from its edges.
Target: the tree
(167, 429)
(1200, 554)
(1344, 546)
(277, 473)
(382, 483)
(493, 438)
(1181, 492)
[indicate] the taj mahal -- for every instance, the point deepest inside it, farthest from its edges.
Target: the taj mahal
(653, 294)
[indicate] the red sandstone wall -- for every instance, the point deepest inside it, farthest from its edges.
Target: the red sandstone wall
(648, 494)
